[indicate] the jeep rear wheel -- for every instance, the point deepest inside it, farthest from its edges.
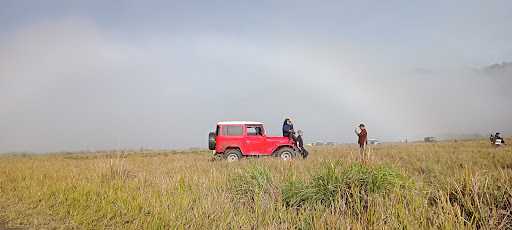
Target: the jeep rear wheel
(285, 153)
(233, 155)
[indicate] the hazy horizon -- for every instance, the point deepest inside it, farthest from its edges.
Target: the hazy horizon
(88, 75)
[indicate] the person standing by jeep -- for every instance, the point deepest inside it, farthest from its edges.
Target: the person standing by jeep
(362, 140)
(300, 144)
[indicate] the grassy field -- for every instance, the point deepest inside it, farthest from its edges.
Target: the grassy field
(447, 185)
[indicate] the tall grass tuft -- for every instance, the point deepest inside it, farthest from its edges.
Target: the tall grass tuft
(116, 169)
(372, 179)
(476, 200)
(252, 184)
(334, 184)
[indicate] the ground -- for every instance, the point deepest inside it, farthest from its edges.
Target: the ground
(447, 185)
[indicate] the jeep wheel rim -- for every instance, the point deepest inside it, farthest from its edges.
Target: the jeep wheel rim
(232, 157)
(286, 156)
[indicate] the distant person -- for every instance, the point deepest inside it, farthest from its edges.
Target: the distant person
(491, 139)
(362, 140)
(288, 129)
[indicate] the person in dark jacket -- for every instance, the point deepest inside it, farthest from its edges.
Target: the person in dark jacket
(362, 140)
(288, 129)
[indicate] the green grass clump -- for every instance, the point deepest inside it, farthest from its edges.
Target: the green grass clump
(372, 179)
(252, 184)
(333, 184)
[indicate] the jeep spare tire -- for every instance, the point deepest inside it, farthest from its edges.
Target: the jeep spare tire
(211, 141)
(285, 153)
(233, 155)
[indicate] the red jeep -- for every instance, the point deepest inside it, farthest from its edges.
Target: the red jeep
(235, 139)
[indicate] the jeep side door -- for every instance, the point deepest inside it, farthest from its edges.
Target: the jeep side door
(255, 140)
(230, 136)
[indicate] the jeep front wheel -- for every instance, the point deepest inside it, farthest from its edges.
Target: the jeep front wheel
(285, 153)
(233, 155)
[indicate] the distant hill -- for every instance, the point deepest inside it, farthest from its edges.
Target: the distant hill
(499, 68)
(460, 136)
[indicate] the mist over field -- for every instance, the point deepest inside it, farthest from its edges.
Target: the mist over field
(126, 75)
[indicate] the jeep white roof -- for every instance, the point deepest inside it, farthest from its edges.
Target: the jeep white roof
(239, 123)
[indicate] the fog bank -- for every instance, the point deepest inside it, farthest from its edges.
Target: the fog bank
(70, 84)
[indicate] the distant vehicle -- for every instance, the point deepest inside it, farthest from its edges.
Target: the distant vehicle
(373, 142)
(236, 139)
(430, 139)
(497, 140)
(318, 143)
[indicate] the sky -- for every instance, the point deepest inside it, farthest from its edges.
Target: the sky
(96, 75)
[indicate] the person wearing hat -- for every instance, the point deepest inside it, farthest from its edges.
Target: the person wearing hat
(362, 140)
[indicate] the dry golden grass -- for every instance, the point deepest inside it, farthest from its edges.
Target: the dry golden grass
(447, 185)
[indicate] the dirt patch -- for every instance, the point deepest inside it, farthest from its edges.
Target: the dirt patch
(3, 226)
(506, 166)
